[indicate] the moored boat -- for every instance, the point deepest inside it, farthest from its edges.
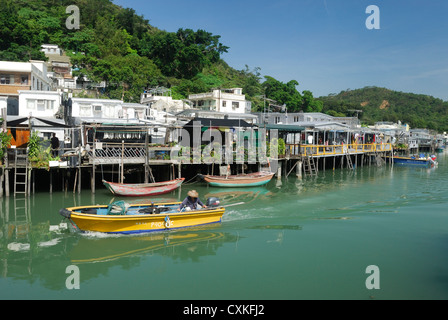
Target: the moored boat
(416, 161)
(143, 189)
(242, 180)
(121, 217)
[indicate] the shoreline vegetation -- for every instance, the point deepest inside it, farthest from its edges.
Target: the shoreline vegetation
(121, 48)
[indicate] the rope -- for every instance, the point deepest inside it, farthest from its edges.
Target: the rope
(187, 183)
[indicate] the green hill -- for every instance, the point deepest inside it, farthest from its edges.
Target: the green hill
(381, 104)
(120, 47)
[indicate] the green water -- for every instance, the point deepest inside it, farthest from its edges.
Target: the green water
(294, 239)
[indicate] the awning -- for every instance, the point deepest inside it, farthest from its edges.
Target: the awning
(14, 121)
(284, 127)
(210, 122)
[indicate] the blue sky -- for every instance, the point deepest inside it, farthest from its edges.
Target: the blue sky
(323, 44)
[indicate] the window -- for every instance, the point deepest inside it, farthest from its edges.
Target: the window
(109, 111)
(40, 105)
(277, 120)
(235, 105)
(24, 80)
(224, 104)
(6, 79)
(30, 104)
(85, 110)
(49, 105)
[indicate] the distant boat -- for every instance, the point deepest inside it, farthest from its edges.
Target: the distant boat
(241, 180)
(143, 189)
(414, 161)
(121, 217)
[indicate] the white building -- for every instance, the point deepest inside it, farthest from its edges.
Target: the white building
(222, 100)
(16, 76)
(134, 111)
(96, 108)
(158, 101)
(39, 103)
(51, 49)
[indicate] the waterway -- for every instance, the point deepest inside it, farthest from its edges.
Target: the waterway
(310, 238)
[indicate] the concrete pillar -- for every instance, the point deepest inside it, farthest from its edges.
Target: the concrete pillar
(299, 169)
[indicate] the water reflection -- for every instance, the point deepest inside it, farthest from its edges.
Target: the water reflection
(30, 251)
(186, 245)
(229, 196)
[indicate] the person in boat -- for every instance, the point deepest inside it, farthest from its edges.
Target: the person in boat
(191, 202)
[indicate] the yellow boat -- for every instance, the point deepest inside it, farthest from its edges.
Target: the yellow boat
(121, 217)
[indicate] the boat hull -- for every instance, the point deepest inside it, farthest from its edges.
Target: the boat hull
(141, 190)
(250, 180)
(141, 223)
(413, 162)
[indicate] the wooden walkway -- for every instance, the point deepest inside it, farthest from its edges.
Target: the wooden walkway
(304, 150)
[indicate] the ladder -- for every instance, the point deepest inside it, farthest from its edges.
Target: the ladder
(21, 173)
(349, 160)
(21, 215)
(310, 166)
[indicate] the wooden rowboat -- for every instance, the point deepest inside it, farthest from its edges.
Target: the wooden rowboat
(143, 189)
(243, 180)
(141, 218)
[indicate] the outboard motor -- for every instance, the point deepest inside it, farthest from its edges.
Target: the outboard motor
(213, 202)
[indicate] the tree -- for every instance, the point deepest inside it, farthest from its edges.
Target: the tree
(184, 54)
(283, 93)
(310, 104)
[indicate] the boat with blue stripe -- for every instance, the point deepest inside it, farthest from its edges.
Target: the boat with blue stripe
(121, 217)
(421, 161)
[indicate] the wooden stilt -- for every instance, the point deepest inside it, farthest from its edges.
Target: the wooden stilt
(34, 181)
(51, 181)
(1, 183)
(74, 184)
(92, 179)
(79, 181)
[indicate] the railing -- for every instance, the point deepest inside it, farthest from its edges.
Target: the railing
(108, 153)
(324, 150)
(126, 153)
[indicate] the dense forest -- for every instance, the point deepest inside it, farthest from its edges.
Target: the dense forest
(374, 104)
(120, 47)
